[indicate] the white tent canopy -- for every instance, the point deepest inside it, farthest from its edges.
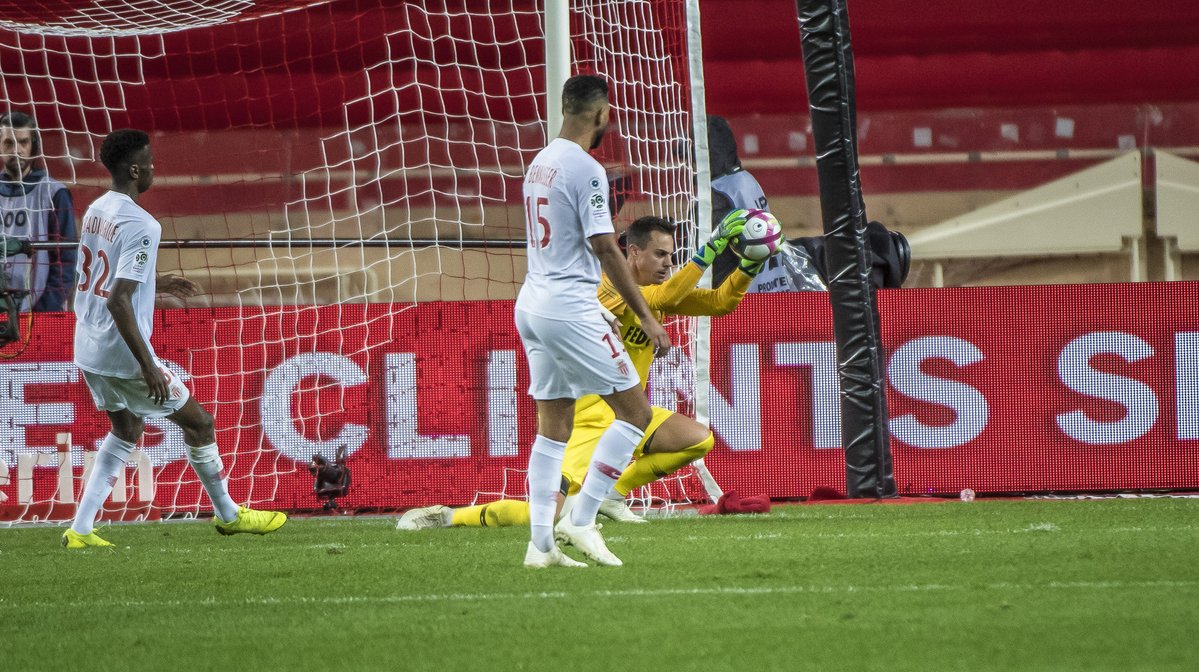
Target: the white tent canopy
(1094, 211)
(1177, 187)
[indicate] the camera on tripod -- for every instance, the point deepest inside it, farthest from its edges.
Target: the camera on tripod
(10, 299)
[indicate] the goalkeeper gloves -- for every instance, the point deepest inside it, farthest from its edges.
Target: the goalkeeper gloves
(732, 224)
(750, 267)
(753, 268)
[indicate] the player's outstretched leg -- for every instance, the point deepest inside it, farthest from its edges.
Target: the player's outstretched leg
(425, 517)
(537, 559)
(72, 539)
(250, 521)
(205, 459)
(500, 513)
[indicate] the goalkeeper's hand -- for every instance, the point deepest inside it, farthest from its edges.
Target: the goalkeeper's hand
(750, 267)
(753, 268)
(732, 224)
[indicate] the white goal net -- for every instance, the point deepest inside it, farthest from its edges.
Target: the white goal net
(342, 179)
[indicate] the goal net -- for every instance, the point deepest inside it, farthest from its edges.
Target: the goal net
(342, 179)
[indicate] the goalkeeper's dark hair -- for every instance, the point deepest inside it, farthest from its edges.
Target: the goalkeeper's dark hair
(116, 153)
(640, 231)
(15, 120)
(582, 92)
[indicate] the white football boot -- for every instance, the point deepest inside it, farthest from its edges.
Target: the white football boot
(618, 510)
(588, 540)
(426, 517)
(536, 559)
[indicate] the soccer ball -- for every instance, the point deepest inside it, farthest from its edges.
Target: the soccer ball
(762, 236)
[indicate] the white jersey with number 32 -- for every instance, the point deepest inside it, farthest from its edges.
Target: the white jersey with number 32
(566, 202)
(117, 239)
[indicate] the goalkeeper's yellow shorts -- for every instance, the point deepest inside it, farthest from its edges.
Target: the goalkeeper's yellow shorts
(590, 424)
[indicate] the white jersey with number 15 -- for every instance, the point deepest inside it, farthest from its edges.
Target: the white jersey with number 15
(566, 202)
(117, 239)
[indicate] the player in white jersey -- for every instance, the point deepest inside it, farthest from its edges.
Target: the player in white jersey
(114, 318)
(571, 349)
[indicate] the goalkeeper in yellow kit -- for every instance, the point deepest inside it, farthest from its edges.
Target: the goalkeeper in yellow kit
(671, 441)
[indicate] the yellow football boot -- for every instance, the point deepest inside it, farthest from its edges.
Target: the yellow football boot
(72, 539)
(250, 521)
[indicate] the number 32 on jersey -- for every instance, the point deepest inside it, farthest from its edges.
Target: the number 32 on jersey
(99, 271)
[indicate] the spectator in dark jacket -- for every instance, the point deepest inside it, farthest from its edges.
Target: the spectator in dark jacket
(38, 208)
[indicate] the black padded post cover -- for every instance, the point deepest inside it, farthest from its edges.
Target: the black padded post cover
(828, 67)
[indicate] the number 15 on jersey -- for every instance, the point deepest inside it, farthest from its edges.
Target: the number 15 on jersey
(534, 218)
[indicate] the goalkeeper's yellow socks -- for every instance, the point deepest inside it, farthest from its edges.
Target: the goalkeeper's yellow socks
(649, 468)
(502, 513)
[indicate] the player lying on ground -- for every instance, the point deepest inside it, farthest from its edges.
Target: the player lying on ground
(114, 317)
(671, 441)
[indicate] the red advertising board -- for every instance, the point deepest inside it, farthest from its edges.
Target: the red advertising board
(1005, 389)
(997, 389)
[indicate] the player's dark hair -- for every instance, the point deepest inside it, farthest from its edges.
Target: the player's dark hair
(642, 228)
(119, 147)
(582, 92)
(17, 120)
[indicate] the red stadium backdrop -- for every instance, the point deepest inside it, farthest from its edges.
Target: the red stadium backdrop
(1005, 389)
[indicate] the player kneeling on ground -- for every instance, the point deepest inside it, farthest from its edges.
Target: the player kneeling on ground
(671, 441)
(114, 316)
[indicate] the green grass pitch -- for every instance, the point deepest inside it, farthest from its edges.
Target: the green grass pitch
(988, 585)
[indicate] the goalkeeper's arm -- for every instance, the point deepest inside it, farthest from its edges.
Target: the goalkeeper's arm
(680, 296)
(680, 290)
(696, 301)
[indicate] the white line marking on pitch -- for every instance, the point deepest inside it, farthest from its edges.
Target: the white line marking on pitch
(558, 595)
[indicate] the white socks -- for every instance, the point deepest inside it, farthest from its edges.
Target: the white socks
(545, 479)
(110, 460)
(206, 461)
(611, 456)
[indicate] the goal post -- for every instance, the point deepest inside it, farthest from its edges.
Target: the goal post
(343, 180)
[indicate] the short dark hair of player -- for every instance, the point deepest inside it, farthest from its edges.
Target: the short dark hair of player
(582, 92)
(119, 147)
(17, 120)
(640, 231)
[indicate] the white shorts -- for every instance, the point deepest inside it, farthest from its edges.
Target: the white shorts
(568, 360)
(132, 394)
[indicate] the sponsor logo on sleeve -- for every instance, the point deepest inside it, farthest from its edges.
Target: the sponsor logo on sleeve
(146, 241)
(595, 183)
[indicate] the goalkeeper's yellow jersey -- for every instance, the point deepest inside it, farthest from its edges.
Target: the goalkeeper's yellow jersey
(676, 296)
